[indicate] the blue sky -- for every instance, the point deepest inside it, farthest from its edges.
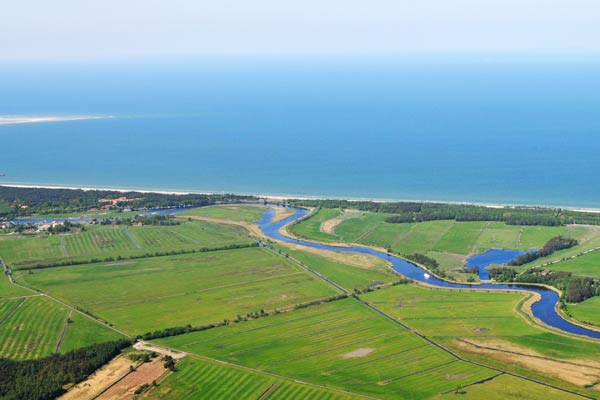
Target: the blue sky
(63, 29)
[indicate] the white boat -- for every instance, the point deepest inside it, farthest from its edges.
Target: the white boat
(427, 276)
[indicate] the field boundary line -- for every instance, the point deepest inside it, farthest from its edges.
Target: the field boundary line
(63, 333)
(304, 267)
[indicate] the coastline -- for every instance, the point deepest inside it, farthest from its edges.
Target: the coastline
(281, 197)
(15, 120)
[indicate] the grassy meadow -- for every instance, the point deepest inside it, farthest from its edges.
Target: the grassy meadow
(507, 387)
(491, 320)
(347, 270)
(31, 327)
(234, 212)
(587, 311)
(341, 344)
(204, 379)
(113, 241)
(451, 242)
(160, 292)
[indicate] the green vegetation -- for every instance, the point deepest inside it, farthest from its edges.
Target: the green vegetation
(100, 242)
(169, 291)
(31, 327)
(462, 238)
(403, 212)
(239, 213)
(46, 378)
(584, 265)
(447, 242)
(20, 202)
(341, 344)
(553, 245)
(447, 314)
(587, 311)
(204, 379)
(357, 275)
(310, 228)
(506, 387)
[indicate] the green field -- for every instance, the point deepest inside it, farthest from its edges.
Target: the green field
(447, 314)
(202, 379)
(585, 265)
(311, 227)
(160, 292)
(239, 213)
(587, 311)
(506, 387)
(114, 241)
(359, 275)
(447, 241)
(31, 327)
(341, 344)
(448, 236)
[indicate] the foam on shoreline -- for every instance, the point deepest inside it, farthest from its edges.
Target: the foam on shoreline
(280, 197)
(12, 120)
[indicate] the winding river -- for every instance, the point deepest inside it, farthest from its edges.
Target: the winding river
(544, 309)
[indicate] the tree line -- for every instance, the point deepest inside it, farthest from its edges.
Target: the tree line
(45, 378)
(22, 202)
(407, 212)
(555, 244)
(575, 289)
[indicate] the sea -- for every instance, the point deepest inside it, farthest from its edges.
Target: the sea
(479, 128)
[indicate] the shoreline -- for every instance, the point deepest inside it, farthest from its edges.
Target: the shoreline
(17, 120)
(279, 197)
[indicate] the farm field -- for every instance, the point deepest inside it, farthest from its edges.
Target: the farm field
(447, 241)
(310, 228)
(341, 344)
(506, 387)
(584, 265)
(589, 239)
(445, 236)
(203, 379)
(101, 242)
(587, 311)
(491, 320)
(347, 270)
(236, 212)
(31, 327)
(143, 295)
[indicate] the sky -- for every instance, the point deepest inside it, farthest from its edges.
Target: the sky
(65, 29)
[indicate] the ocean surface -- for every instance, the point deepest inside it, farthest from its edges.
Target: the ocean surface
(493, 129)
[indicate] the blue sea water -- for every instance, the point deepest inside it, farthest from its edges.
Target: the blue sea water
(467, 128)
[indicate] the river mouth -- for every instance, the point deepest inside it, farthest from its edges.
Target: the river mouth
(543, 309)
